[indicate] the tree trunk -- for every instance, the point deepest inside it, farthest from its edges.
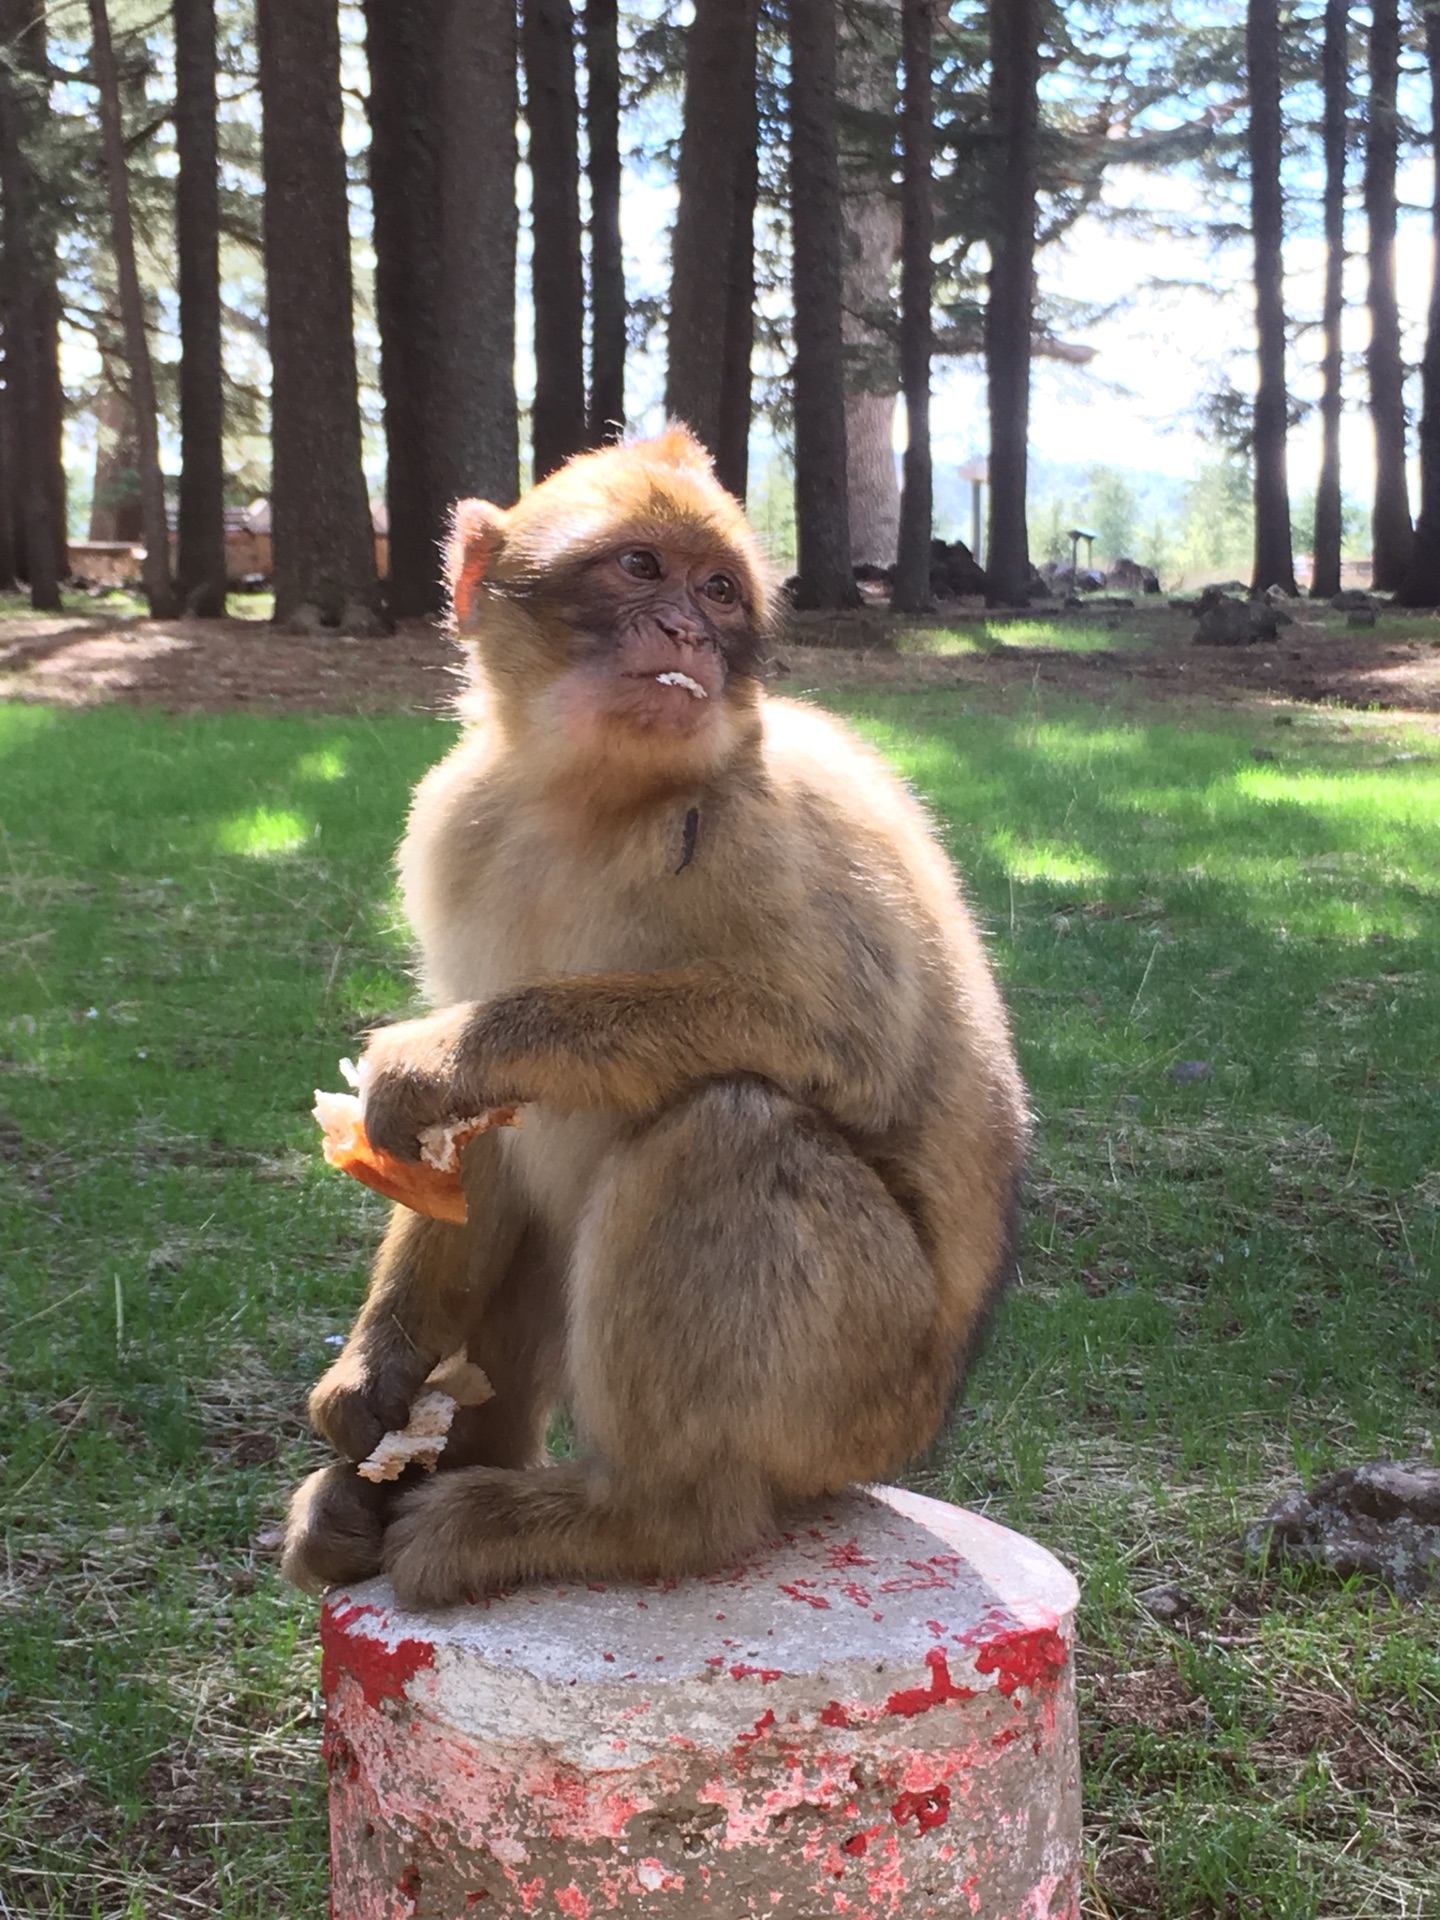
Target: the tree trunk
(1009, 311)
(34, 397)
(9, 576)
(324, 546)
(1274, 562)
(200, 565)
(1335, 70)
(707, 377)
(405, 54)
(1421, 585)
(870, 207)
(607, 267)
(1390, 521)
(912, 570)
(558, 426)
(477, 437)
(822, 527)
(115, 511)
(732, 443)
(155, 570)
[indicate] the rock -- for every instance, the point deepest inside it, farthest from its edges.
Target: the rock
(1361, 617)
(1354, 600)
(1167, 1601)
(1225, 622)
(954, 570)
(1134, 578)
(1381, 1520)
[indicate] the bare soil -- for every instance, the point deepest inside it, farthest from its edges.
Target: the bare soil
(211, 666)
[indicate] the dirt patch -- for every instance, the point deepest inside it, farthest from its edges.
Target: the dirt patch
(211, 666)
(224, 666)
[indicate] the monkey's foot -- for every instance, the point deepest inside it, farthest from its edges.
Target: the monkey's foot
(336, 1524)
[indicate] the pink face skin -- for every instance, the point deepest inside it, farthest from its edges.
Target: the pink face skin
(665, 628)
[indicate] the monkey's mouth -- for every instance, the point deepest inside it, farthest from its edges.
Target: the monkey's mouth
(692, 687)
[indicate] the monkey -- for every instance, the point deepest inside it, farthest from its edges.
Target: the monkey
(761, 1201)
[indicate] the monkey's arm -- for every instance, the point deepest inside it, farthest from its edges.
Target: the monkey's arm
(425, 1280)
(622, 1041)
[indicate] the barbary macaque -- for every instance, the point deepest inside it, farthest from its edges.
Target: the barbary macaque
(761, 1198)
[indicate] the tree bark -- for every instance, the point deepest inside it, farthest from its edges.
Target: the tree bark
(1274, 562)
(912, 568)
(707, 377)
(155, 570)
(9, 575)
(200, 565)
(1421, 585)
(477, 435)
(405, 53)
(1390, 520)
(558, 425)
(35, 401)
(869, 55)
(1009, 311)
(1335, 79)
(826, 577)
(606, 417)
(324, 546)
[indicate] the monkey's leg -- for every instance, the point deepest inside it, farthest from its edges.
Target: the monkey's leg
(428, 1280)
(337, 1519)
(752, 1322)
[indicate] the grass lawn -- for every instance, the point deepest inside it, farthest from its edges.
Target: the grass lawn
(1229, 1280)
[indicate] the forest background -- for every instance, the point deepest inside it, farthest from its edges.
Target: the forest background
(328, 187)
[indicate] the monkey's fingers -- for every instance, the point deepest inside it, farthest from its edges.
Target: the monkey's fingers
(430, 1185)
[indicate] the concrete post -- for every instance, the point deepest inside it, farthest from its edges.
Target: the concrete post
(874, 1715)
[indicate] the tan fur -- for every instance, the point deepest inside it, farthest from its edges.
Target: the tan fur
(773, 1131)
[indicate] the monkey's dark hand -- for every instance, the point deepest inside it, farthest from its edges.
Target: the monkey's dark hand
(366, 1394)
(412, 1075)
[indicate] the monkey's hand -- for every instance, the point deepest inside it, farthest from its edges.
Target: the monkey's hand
(413, 1075)
(368, 1392)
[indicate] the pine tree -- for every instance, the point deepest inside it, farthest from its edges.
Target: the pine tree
(558, 424)
(1421, 585)
(1390, 521)
(405, 53)
(912, 570)
(1335, 73)
(34, 398)
(826, 578)
(1274, 563)
(1009, 311)
(323, 543)
(707, 376)
(606, 405)
(476, 435)
(200, 566)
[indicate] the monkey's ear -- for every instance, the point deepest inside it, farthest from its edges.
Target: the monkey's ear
(476, 530)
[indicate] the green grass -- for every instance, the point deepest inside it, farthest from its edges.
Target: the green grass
(120, 602)
(1228, 1282)
(1094, 634)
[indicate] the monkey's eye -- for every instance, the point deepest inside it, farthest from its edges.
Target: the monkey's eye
(721, 589)
(641, 564)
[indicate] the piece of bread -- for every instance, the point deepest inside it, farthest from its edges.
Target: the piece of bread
(430, 1185)
(456, 1382)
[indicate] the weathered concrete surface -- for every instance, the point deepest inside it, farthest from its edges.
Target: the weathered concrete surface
(872, 1716)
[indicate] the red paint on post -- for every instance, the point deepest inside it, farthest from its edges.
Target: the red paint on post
(383, 1671)
(927, 1810)
(1027, 1657)
(912, 1700)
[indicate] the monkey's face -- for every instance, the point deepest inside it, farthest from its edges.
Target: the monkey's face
(618, 613)
(664, 626)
